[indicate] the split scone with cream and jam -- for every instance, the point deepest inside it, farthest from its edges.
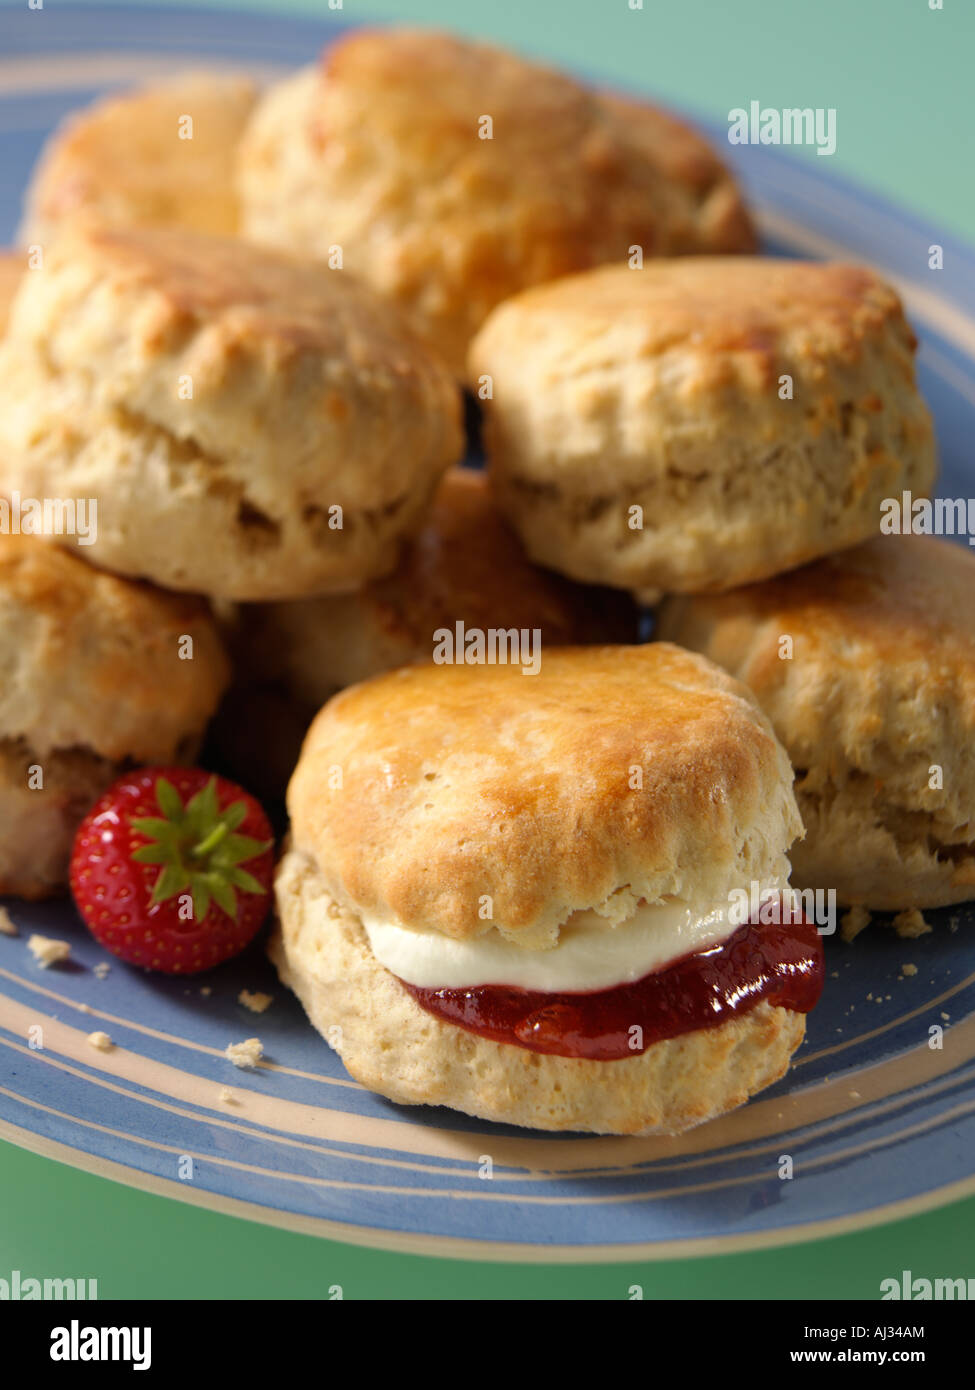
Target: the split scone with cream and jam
(515, 895)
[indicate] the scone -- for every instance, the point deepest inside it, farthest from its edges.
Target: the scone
(701, 423)
(451, 175)
(251, 426)
(12, 264)
(162, 155)
(513, 895)
(99, 674)
(465, 566)
(865, 664)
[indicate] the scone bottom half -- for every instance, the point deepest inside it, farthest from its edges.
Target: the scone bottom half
(479, 977)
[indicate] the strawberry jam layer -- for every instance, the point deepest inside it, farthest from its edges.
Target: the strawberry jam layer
(782, 964)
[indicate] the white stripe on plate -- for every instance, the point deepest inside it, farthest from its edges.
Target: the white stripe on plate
(952, 323)
(23, 76)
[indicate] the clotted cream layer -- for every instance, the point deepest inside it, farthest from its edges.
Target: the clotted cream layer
(591, 954)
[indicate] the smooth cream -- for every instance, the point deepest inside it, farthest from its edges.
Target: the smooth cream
(591, 953)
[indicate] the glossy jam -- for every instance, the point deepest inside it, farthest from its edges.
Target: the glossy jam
(780, 963)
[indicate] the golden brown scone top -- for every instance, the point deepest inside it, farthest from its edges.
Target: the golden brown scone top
(94, 661)
(448, 224)
(296, 370)
(866, 612)
(122, 160)
(601, 153)
(724, 314)
(461, 783)
(269, 305)
(756, 410)
(705, 211)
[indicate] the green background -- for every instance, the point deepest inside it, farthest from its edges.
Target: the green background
(899, 76)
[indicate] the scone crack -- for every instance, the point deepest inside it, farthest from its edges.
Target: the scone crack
(910, 828)
(187, 453)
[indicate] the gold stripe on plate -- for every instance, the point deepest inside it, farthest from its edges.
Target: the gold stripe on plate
(827, 1104)
(458, 1247)
(485, 1193)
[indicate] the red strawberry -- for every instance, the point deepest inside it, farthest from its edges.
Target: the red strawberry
(158, 862)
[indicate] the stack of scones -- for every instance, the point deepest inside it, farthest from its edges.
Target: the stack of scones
(519, 834)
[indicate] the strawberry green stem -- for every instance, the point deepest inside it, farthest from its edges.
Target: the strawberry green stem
(212, 840)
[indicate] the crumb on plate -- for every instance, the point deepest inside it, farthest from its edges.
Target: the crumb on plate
(47, 950)
(911, 923)
(255, 1000)
(853, 923)
(245, 1054)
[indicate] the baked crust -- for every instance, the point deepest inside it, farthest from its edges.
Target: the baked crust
(220, 402)
(637, 435)
(879, 691)
(378, 150)
(38, 821)
(474, 798)
(123, 161)
(92, 661)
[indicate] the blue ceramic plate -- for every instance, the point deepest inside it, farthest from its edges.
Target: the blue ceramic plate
(877, 1123)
